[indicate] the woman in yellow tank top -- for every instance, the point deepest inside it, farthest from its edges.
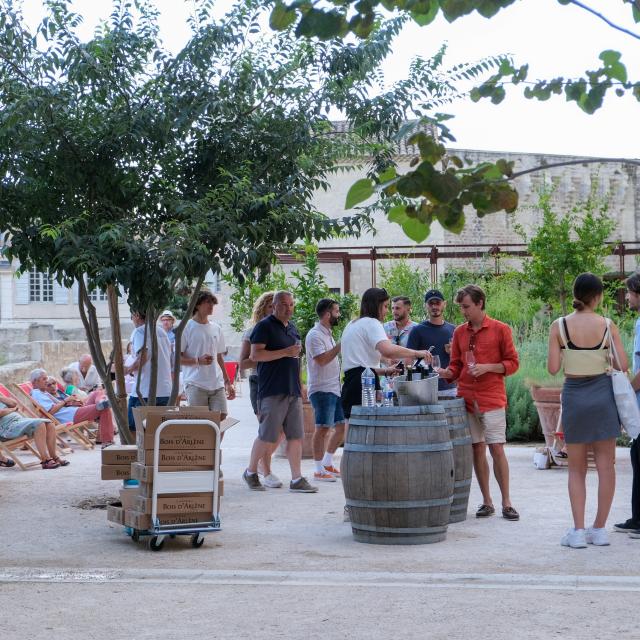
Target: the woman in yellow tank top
(579, 344)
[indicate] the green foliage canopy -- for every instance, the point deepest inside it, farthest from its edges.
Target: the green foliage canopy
(564, 246)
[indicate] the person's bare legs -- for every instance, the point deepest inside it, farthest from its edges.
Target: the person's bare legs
(294, 455)
(318, 442)
(501, 471)
(577, 482)
(40, 440)
(605, 452)
(264, 464)
(336, 438)
(481, 468)
(50, 436)
(259, 450)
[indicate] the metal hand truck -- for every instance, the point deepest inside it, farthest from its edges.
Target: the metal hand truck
(167, 482)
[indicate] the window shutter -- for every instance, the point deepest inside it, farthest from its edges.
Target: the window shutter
(60, 294)
(21, 288)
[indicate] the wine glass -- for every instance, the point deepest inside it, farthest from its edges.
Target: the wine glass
(435, 362)
(471, 359)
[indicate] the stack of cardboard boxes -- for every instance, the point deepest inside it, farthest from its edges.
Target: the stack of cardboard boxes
(182, 448)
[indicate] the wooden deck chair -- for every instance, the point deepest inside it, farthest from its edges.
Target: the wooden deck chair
(76, 431)
(9, 448)
(27, 409)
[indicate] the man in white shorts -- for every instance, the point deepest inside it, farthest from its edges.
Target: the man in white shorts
(206, 382)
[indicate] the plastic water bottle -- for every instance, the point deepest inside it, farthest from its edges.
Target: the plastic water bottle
(368, 381)
(387, 393)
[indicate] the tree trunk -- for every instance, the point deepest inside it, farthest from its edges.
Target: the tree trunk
(175, 387)
(116, 339)
(90, 322)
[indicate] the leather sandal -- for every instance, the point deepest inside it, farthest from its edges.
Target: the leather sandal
(49, 464)
(61, 462)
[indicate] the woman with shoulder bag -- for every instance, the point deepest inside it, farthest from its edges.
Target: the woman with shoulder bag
(581, 344)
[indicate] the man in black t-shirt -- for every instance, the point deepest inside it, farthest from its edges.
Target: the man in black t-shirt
(435, 332)
(275, 346)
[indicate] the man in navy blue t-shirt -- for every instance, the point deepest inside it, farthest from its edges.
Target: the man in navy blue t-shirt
(435, 332)
(275, 347)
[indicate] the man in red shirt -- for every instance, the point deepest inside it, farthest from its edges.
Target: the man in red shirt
(482, 354)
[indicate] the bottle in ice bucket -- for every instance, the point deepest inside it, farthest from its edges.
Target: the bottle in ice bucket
(368, 381)
(387, 393)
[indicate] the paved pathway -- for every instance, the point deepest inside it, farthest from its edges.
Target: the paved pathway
(285, 565)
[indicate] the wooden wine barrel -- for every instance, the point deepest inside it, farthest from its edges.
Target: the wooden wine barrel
(456, 413)
(397, 474)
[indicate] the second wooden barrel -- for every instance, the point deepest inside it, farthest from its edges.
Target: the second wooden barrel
(456, 413)
(397, 474)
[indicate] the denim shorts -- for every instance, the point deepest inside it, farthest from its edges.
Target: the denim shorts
(327, 408)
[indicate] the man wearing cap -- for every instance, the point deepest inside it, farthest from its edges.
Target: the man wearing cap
(167, 320)
(435, 332)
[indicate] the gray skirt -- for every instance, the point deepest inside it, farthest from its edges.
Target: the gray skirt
(589, 410)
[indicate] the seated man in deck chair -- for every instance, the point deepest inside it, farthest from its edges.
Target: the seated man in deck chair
(13, 425)
(71, 409)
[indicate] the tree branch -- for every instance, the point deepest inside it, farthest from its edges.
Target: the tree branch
(577, 3)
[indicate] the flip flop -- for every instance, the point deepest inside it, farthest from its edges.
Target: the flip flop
(7, 463)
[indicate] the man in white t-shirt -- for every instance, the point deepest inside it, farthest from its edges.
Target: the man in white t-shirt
(87, 373)
(141, 367)
(206, 382)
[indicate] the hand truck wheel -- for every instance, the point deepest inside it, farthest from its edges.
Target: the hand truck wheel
(197, 540)
(155, 544)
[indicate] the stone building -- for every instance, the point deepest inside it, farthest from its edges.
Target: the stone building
(33, 309)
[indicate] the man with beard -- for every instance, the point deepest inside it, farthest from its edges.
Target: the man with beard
(400, 327)
(437, 333)
(323, 385)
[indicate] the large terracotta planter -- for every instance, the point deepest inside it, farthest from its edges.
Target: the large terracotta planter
(547, 402)
(309, 428)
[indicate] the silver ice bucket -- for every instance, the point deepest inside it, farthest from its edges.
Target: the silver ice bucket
(416, 392)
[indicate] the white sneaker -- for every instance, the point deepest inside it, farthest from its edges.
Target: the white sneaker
(272, 481)
(598, 537)
(574, 538)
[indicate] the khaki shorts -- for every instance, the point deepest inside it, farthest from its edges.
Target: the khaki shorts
(280, 413)
(216, 400)
(489, 427)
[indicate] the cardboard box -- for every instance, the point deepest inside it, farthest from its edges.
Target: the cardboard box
(115, 514)
(144, 473)
(128, 497)
(145, 489)
(148, 419)
(177, 503)
(142, 521)
(178, 458)
(178, 436)
(119, 454)
(116, 471)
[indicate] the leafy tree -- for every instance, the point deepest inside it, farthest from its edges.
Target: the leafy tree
(307, 284)
(128, 169)
(340, 17)
(564, 246)
(441, 188)
(401, 278)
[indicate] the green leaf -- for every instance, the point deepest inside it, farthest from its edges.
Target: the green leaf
(416, 230)
(423, 18)
(281, 17)
(359, 192)
(387, 174)
(397, 214)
